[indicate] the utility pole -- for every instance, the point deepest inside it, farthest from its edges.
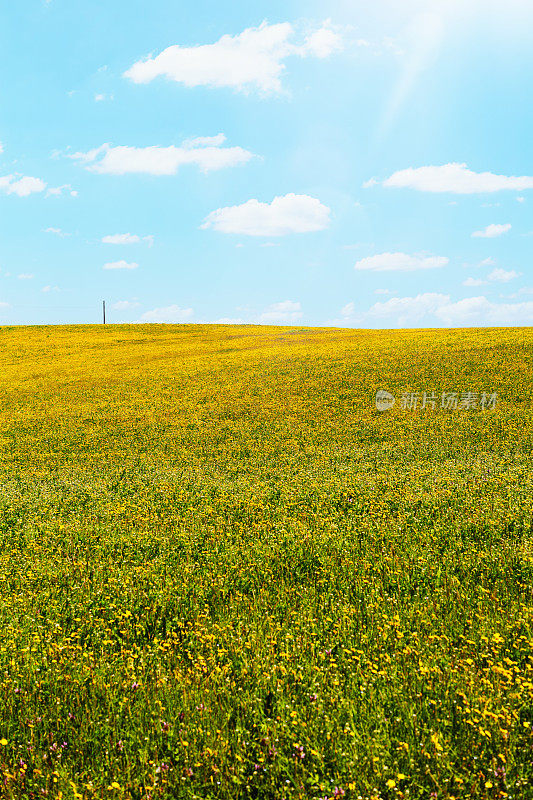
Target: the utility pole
(103, 309)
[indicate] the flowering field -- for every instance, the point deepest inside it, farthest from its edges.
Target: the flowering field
(225, 574)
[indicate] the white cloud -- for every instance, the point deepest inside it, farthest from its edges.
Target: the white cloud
(491, 231)
(480, 311)
(169, 314)
(500, 275)
(124, 305)
(292, 213)
(474, 282)
(56, 232)
(4, 305)
(99, 98)
(228, 321)
(348, 309)
(127, 238)
(57, 191)
(286, 311)
(22, 187)
(503, 275)
(400, 262)
(429, 309)
(487, 262)
(25, 276)
(155, 160)
(50, 289)
(252, 60)
(383, 291)
(121, 265)
(456, 178)
(520, 199)
(408, 310)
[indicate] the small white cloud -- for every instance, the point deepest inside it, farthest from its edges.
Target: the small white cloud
(371, 182)
(25, 276)
(252, 60)
(169, 314)
(385, 262)
(155, 160)
(99, 97)
(348, 310)
(121, 265)
(56, 232)
(520, 199)
(127, 238)
(491, 231)
(503, 275)
(457, 179)
(286, 311)
(22, 187)
(487, 262)
(4, 305)
(474, 282)
(57, 191)
(50, 289)
(228, 321)
(124, 305)
(383, 291)
(292, 213)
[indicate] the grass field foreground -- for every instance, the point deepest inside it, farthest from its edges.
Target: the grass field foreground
(225, 574)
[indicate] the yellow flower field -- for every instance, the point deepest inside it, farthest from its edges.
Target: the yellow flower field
(225, 574)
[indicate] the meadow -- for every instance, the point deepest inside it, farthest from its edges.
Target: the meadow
(225, 574)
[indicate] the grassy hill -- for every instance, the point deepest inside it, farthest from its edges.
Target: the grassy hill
(225, 574)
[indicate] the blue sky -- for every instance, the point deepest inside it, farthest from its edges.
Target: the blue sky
(322, 163)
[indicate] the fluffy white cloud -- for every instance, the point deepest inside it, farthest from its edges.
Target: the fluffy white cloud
(169, 314)
(291, 213)
(25, 276)
(121, 265)
(500, 275)
(455, 178)
(285, 312)
(124, 305)
(254, 59)
(400, 262)
(155, 160)
(127, 238)
(430, 308)
(408, 310)
(491, 231)
(480, 311)
(487, 262)
(503, 275)
(22, 187)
